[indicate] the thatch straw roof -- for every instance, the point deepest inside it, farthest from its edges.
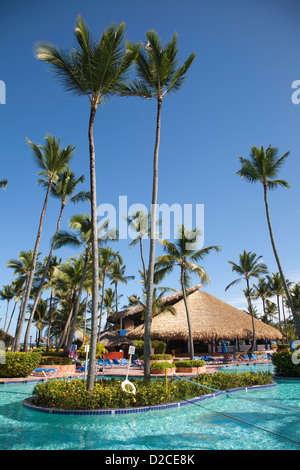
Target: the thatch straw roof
(137, 310)
(111, 338)
(210, 318)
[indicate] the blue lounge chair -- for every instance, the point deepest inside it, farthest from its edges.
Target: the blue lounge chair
(208, 358)
(269, 356)
(138, 364)
(107, 362)
(254, 357)
(116, 362)
(264, 356)
(124, 362)
(246, 357)
(196, 358)
(101, 362)
(45, 372)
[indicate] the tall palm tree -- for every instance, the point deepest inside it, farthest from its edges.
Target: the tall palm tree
(140, 223)
(180, 254)
(7, 293)
(249, 266)
(51, 160)
(16, 286)
(263, 167)
(117, 274)
(262, 291)
(107, 259)
(3, 183)
(92, 68)
(158, 74)
(63, 189)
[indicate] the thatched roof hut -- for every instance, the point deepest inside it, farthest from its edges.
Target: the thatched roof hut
(210, 317)
(135, 312)
(111, 339)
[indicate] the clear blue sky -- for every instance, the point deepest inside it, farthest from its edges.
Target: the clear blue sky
(238, 94)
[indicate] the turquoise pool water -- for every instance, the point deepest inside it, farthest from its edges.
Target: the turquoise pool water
(262, 419)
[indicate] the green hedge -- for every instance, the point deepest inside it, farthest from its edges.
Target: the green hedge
(107, 393)
(19, 364)
(191, 363)
(158, 346)
(59, 360)
(160, 357)
(284, 366)
(162, 365)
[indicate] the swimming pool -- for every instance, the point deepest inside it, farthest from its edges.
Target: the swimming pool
(266, 418)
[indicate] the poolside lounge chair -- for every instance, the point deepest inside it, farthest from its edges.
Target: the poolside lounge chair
(45, 372)
(269, 356)
(137, 363)
(196, 358)
(107, 362)
(124, 362)
(116, 362)
(101, 362)
(264, 356)
(254, 357)
(246, 357)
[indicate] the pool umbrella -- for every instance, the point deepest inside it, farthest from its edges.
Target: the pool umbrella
(224, 349)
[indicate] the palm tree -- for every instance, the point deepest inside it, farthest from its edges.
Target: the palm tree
(117, 274)
(3, 183)
(94, 69)
(107, 259)
(51, 159)
(248, 266)
(158, 74)
(157, 307)
(63, 189)
(263, 166)
(140, 223)
(7, 293)
(16, 286)
(262, 291)
(180, 254)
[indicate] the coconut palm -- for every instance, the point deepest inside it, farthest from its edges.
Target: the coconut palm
(3, 183)
(92, 68)
(16, 286)
(249, 266)
(7, 293)
(186, 258)
(117, 274)
(158, 74)
(262, 291)
(263, 167)
(63, 189)
(51, 160)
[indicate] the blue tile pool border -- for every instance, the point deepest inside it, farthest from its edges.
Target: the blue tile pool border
(28, 403)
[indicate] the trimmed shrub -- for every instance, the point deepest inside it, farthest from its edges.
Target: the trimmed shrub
(160, 357)
(191, 363)
(56, 360)
(284, 365)
(19, 364)
(107, 393)
(162, 366)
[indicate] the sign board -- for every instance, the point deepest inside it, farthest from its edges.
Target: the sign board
(131, 350)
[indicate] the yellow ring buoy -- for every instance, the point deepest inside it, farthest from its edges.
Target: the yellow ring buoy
(127, 382)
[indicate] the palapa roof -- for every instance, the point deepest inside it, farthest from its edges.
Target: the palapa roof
(111, 338)
(210, 318)
(138, 309)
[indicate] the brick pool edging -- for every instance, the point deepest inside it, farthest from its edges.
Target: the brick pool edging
(27, 403)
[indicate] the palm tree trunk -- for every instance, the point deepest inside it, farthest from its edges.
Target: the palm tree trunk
(143, 263)
(30, 280)
(191, 342)
(74, 321)
(6, 315)
(279, 319)
(11, 317)
(150, 281)
(101, 308)
(252, 315)
(43, 278)
(67, 324)
(95, 260)
(287, 292)
(85, 314)
(49, 323)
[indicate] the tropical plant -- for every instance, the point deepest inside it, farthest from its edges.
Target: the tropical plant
(249, 266)
(51, 160)
(262, 291)
(91, 68)
(117, 274)
(3, 183)
(182, 254)
(63, 189)
(263, 167)
(7, 293)
(157, 74)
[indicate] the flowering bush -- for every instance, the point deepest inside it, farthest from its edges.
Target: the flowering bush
(19, 364)
(108, 393)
